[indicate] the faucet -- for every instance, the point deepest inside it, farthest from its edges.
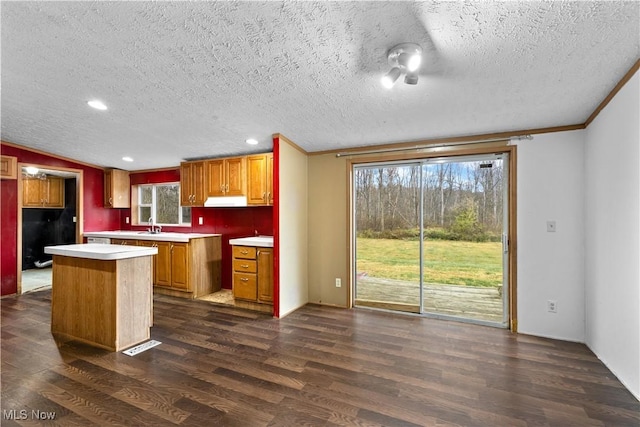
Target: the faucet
(151, 230)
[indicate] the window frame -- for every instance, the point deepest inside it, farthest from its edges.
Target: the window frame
(136, 205)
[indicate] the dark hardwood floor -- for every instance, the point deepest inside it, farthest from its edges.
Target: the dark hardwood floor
(320, 366)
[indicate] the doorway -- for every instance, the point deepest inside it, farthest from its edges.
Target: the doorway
(48, 214)
(431, 237)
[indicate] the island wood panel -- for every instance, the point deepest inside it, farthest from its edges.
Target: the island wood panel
(103, 303)
(205, 268)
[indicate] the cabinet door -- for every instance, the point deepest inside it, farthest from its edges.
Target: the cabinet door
(123, 242)
(180, 266)
(9, 167)
(256, 180)
(215, 178)
(108, 188)
(199, 183)
(265, 275)
(32, 192)
(55, 193)
(235, 176)
(270, 178)
(186, 184)
(163, 264)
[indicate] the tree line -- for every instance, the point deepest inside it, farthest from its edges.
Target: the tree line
(462, 201)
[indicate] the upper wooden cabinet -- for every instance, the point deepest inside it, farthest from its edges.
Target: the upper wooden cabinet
(8, 167)
(117, 189)
(193, 178)
(226, 177)
(260, 179)
(43, 193)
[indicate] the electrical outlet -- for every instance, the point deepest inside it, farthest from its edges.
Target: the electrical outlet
(552, 306)
(126, 220)
(338, 282)
(200, 220)
(551, 226)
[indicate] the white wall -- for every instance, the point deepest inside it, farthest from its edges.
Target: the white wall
(551, 264)
(293, 253)
(613, 235)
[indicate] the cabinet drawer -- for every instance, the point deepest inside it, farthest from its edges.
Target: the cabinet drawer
(245, 286)
(247, 252)
(245, 265)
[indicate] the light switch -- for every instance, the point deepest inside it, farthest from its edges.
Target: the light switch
(200, 220)
(126, 220)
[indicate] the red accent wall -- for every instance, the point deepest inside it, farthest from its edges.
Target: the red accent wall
(95, 216)
(230, 222)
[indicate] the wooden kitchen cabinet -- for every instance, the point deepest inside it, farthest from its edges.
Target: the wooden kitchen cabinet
(226, 177)
(260, 179)
(186, 270)
(43, 193)
(193, 181)
(117, 189)
(123, 242)
(8, 167)
(253, 274)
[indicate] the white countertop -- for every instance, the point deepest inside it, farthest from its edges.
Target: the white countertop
(144, 235)
(261, 241)
(100, 251)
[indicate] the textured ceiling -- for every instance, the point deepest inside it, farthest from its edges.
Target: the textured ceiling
(195, 79)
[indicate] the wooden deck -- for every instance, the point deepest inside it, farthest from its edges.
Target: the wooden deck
(480, 303)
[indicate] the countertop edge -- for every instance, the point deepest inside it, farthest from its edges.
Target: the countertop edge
(84, 251)
(162, 237)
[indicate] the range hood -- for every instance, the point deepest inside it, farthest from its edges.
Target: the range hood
(228, 201)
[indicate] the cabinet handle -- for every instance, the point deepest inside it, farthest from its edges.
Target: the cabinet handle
(110, 201)
(244, 266)
(269, 196)
(264, 196)
(244, 279)
(244, 252)
(226, 188)
(171, 247)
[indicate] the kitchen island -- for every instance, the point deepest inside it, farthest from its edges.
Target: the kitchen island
(102, 294)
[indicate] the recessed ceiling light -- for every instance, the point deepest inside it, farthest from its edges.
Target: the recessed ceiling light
(98, 105)
(127, 159)
(251, 141)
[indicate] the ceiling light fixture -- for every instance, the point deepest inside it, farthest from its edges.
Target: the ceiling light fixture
(127, 159)
(252, 141)
(403, 58)
(98, 105)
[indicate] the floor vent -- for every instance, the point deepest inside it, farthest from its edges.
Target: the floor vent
(141, 347)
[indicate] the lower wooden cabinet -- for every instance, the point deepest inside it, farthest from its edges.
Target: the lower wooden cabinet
(188, 270)
(253, 274)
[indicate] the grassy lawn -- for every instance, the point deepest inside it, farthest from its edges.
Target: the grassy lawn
(446, 262)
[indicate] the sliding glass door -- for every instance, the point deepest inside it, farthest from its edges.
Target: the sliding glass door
(387, 218)
(430, 237)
